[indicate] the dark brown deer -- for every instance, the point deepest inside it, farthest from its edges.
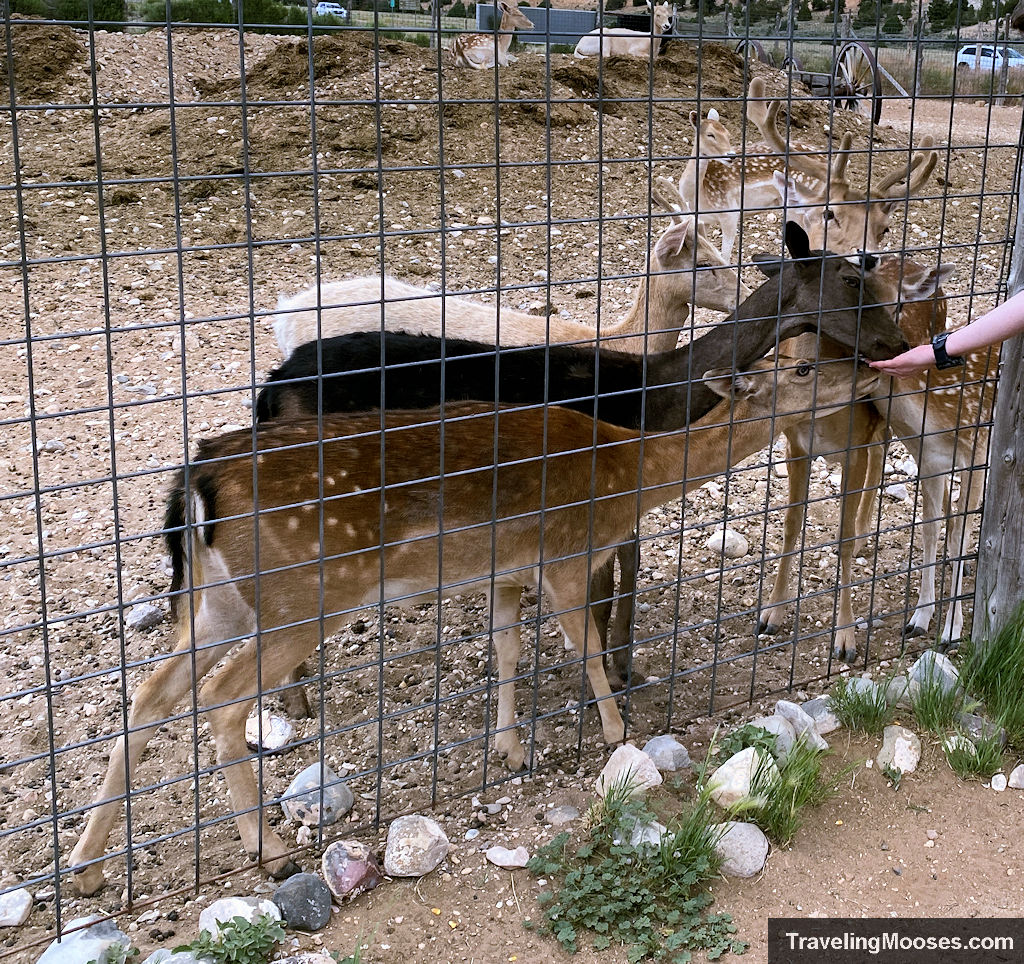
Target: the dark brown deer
(340, 503)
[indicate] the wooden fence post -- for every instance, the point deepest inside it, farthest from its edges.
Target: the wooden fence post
(999, 587)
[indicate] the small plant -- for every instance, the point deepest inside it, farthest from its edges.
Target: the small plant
(974, 759)
(798, 784)
(935, 705)
(893, 774)
(355, 957)
(994, 673)
(239, 942)
(733, 742)
(861, 709)
(652, 899)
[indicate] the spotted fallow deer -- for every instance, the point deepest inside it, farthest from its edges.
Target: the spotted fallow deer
(347, 515)
(622, 42)
(482, 51)
(684, 269)
(816, 190)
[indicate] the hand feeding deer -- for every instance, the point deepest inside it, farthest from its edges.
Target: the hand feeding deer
(622, 42)
(482, 51)
(812, 292)
(340, 503)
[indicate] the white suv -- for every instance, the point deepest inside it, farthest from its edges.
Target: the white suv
(988, 58)
(331, 10)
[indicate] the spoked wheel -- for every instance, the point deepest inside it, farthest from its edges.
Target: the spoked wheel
(857, 83)
(745, 48)
(792, 62)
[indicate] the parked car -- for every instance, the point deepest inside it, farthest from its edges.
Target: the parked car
(331, 10)
(989, 58)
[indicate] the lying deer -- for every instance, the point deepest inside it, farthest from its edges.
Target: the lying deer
(621, 42)
(482, 50)
(684, 269)
(514, 502)
(810, 293)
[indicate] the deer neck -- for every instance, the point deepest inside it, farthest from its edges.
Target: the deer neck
(505, 39)
(693, 176)
(648, 319)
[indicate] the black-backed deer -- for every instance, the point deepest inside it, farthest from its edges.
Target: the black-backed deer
(348, 516)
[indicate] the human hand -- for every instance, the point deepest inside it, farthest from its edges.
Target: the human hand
(912, 362)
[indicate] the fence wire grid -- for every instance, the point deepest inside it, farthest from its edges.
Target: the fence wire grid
(165, 183)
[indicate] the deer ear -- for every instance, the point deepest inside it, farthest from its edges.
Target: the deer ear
(928, 285)
(694, 118)
(768, 264)
(673, 241)
(713, 114)
(720, 381)
(797, 243)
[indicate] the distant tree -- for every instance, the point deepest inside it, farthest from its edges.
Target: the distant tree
(938, 12)
(893, 23)
(819, 5)
(804, 11)
(457, 10)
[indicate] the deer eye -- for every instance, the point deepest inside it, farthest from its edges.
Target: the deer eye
(851, 281)
(804, 370)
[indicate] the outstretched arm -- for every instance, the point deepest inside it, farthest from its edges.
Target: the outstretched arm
(1000, 323)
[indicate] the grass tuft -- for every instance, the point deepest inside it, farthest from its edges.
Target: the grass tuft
(935, 708)
(974, 759)
(994, 673)
(867, 711)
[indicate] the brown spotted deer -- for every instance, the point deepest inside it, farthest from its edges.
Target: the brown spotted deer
(348, 516)
(836, 214)
(684, 269)
(482, 51)
(622, 42)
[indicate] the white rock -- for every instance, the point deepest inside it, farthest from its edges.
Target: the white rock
(416, 845)
(785, 735)
(15, 908)
(730, 783)
(729, 543)
(228, 908)
(820, 710)
(1016, 781)
(901, 749)
(628, 763)
(999, 782)
(277, 732)
(803, 725)
(302, 802)
(936, 669)
(667, 753)
(90, 944)
(898, 492)
(561, 815)
(959, 742)
(743, 849)
(901, 691)
(509, 859)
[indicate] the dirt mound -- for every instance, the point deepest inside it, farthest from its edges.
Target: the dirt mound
(43, 54)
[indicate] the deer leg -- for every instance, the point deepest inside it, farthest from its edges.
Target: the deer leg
(230, 693)
(730, 222)
(959, 538)
(796, 512)
(858, 464)
(621, 637)
(866, 517)
(153, 702)
(932, 488)
(562, 585)
(602, 590)
(505, 616)
(294, 697)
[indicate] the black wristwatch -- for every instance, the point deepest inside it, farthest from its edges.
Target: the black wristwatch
(942, 360)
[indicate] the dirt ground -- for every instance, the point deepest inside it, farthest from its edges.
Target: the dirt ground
(210, 212)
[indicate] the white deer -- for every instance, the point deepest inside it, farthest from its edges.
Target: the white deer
(482, 51)
(621, 42)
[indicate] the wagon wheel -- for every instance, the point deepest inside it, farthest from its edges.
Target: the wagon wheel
(747, 47)
(792, 62)
(857, 83)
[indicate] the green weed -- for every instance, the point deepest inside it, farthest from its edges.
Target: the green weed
(974, 759)
(239, 942)
(994, 673)
(868, 711)
(935, 707)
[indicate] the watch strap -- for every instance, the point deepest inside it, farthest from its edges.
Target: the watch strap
(942, 358)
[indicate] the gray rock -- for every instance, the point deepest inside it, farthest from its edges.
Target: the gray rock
(228, 908)
(561, 815)
(901, 749)
(416, 845)
(143, 616)
(163, 955)
(52, 446)
(667, 753)
(937, 669)
(1016, 781)
(782, 730)
(628, 763)
(803, 725)
(304, 901)
(959, 742)
(103, 942)
(901, 691)
(15, 908)
(978, 728)
(350, 869)
(730, 783)
(639, 834)
(743, 849)
(302, 798)
(268, 732)
(820, 710)
(509, 859)
(729, 543)
(861, 685)
(998, 782)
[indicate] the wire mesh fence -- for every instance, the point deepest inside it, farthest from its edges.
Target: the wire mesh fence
(168, 178)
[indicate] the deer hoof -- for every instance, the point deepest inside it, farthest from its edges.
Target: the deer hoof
(766, 628)
(89, 881)
(911, 630)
